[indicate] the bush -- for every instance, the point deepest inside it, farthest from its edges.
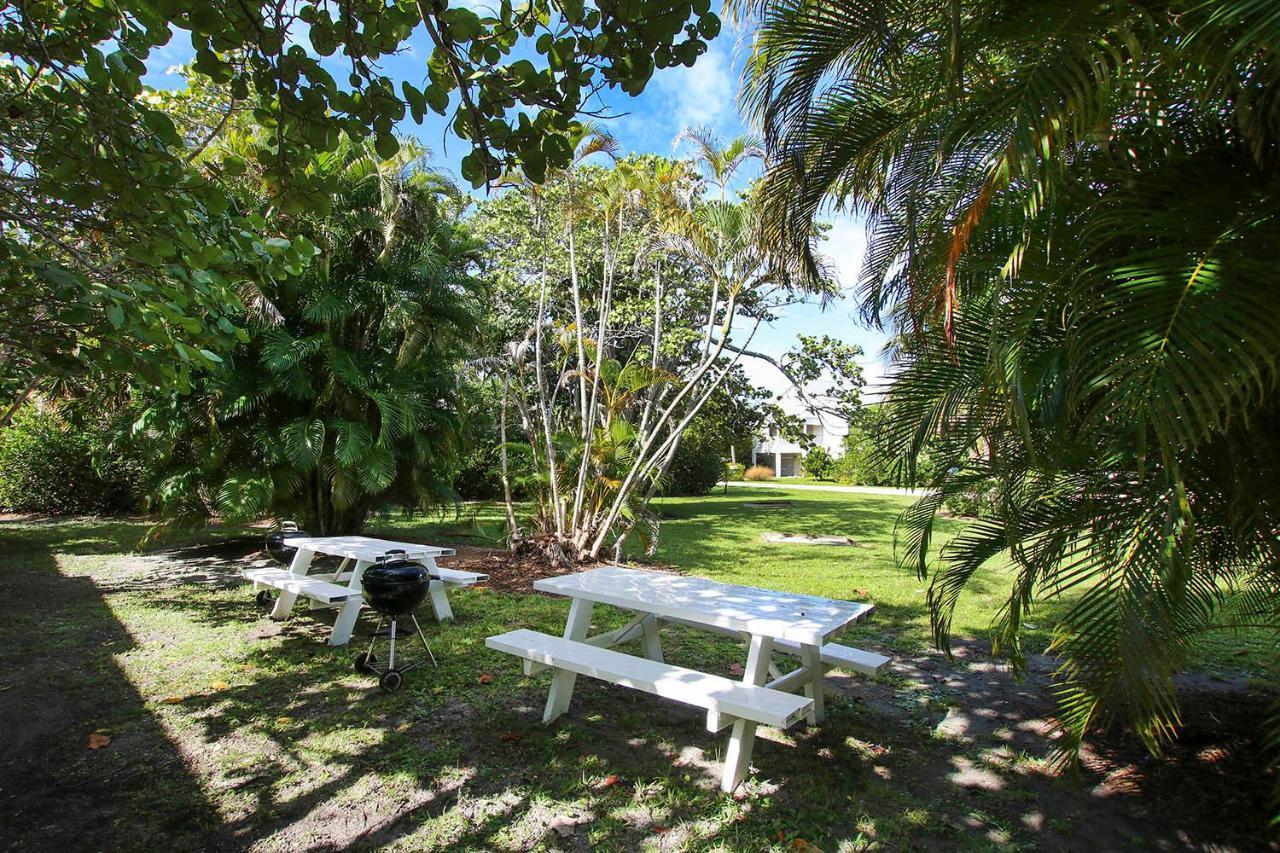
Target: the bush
(759, 472)
(696, 468)
(50, 466)
(979, 501)
(819, 464)
(734, 470)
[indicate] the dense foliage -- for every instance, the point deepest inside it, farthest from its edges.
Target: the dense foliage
(1075, 210)
(344, 399)
(54, 465)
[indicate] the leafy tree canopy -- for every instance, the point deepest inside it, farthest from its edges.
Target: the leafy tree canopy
(121, 249)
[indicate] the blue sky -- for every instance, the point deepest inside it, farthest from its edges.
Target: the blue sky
(704, 95)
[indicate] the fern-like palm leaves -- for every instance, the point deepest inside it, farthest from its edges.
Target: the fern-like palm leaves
(1075, 214)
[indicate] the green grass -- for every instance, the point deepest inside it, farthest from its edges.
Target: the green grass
(717, 536)
(720, 537)
(229, 730)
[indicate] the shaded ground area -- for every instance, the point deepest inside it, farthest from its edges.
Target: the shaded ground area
(228, 732)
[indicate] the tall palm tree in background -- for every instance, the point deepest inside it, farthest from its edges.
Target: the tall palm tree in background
(1075, 235)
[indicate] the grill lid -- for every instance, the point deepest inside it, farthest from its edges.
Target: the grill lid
(395, 585)
(275, 546)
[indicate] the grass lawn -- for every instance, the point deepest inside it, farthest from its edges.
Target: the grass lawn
(801, 481)
(229, 731)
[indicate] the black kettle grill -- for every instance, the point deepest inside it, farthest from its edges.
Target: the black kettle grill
(393, 587)
(276, 549)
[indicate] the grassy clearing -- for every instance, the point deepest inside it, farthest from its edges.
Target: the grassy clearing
(230, 731)
(719, 536)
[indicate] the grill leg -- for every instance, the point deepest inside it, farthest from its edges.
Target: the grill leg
(423, 637)
(374, 638)
(391, 661)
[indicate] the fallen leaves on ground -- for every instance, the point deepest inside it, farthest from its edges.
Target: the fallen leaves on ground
(97, 740)
(219, 685)
(736, 669)
(511, 737)
(172, 700)
(607, 782)
(487, 678)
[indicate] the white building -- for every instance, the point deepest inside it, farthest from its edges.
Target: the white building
(785, 457)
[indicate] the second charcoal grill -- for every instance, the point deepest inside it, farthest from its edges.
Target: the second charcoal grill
(393, 587)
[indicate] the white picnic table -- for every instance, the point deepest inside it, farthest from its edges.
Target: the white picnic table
(791, 625)
(329, 590)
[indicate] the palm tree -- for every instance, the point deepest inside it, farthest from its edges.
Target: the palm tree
(1075, 227)
(720, 160)
(340, 402)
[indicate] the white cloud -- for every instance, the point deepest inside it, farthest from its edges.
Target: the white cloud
(846, 244)
(705, 94)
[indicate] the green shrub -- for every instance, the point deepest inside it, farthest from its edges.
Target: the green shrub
(51, 466)
(734, 470)
(696, 468)
(979, 501)
(819, 465)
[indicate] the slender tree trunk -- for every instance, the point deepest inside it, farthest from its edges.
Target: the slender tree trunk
(513, 530)
(545, 407)
(19, 400)
(577, 317)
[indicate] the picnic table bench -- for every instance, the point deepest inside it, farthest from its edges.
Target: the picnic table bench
(341, 588)
(797, 626)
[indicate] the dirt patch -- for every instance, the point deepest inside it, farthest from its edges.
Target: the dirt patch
(516, 572)
(220, 564)
(810, 539)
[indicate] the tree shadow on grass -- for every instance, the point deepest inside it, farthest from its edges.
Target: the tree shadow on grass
(291, 749)
(59, 643)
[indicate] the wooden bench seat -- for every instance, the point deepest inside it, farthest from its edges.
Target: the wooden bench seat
(844, 657)
(316, 589)
(449, 577)
(833, 654)
(712, 692)
(457, 577)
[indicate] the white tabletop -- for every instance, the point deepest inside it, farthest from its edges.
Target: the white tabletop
(363, 547)
(782, 615)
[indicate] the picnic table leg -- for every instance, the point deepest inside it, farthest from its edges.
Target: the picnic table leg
(345, 624)
(652, 640)
(811, 656)
(737, 759)
(284, 604)
(562, 680)
(436, 592)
